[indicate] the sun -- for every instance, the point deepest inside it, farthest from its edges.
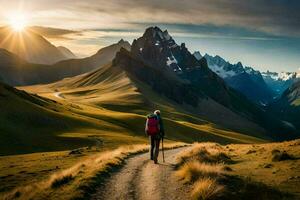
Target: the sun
(18, 21)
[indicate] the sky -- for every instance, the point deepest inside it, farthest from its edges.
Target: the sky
(264, 34)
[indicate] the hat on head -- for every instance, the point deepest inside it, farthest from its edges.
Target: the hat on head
(157, 112)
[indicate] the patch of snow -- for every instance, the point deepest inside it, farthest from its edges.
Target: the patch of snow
(286, 75)
(171, 60)
(262, 103)
(272, 75)
(172, 63)
(219, 70)
(250, 70)
(282, 76)
(157, 43)
(174, 45)
(141, 49)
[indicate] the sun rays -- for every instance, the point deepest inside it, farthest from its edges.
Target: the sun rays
(18, 21)
(18, 41)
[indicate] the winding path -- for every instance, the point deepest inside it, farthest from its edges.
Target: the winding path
(141, 179)
(58, 95)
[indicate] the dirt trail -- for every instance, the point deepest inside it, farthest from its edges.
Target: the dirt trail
(58, 95)
(140, 178)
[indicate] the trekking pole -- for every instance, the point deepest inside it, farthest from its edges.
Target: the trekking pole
(162, 145)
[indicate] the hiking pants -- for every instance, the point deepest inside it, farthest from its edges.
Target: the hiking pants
(154, 149)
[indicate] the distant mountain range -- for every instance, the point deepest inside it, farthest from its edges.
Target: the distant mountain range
(260, 87)
(279, 93)
(279, 82)
(244, 79)
(288, 106)
(66, 52)
(17, 71)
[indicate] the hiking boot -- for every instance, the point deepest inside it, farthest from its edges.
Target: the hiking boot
(155, 161)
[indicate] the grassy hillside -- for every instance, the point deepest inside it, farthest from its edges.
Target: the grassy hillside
(30, 123)
(91, 108)
(242, 171)
(112, 95)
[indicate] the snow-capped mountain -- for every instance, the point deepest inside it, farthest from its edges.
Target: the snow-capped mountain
(244, 79)
(283, 76)
(279, 82)
(158, 48)
(223, 68)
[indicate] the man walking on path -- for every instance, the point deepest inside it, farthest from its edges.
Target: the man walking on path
(155, 130)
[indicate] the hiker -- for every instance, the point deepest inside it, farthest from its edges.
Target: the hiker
(155, 130)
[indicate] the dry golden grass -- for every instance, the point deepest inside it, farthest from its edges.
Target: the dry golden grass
(193, 170)
(206, 188)
(249, 170)
(204, 152)
(70, 183)
(202, 166)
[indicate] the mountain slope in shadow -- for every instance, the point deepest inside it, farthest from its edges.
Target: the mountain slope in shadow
(16, 71)
(30, 46)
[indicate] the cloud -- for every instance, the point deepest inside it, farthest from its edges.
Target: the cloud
(55, 33)
(276, 17)
(211, 31)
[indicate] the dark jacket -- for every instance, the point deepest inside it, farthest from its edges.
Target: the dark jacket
(161, 126)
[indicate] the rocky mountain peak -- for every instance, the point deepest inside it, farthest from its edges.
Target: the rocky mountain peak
(157, 47)
(197, 55)
(239, 64)
(121, 41)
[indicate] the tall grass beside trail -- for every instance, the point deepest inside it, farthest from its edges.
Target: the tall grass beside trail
(71, 183)
(195, 170)
(206, 188)
(201, 165)
(204, 152)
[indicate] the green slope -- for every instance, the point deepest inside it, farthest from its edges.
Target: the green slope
(113, 95)
(30, 123)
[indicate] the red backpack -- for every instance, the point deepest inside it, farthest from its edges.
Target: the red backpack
(153, 126)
